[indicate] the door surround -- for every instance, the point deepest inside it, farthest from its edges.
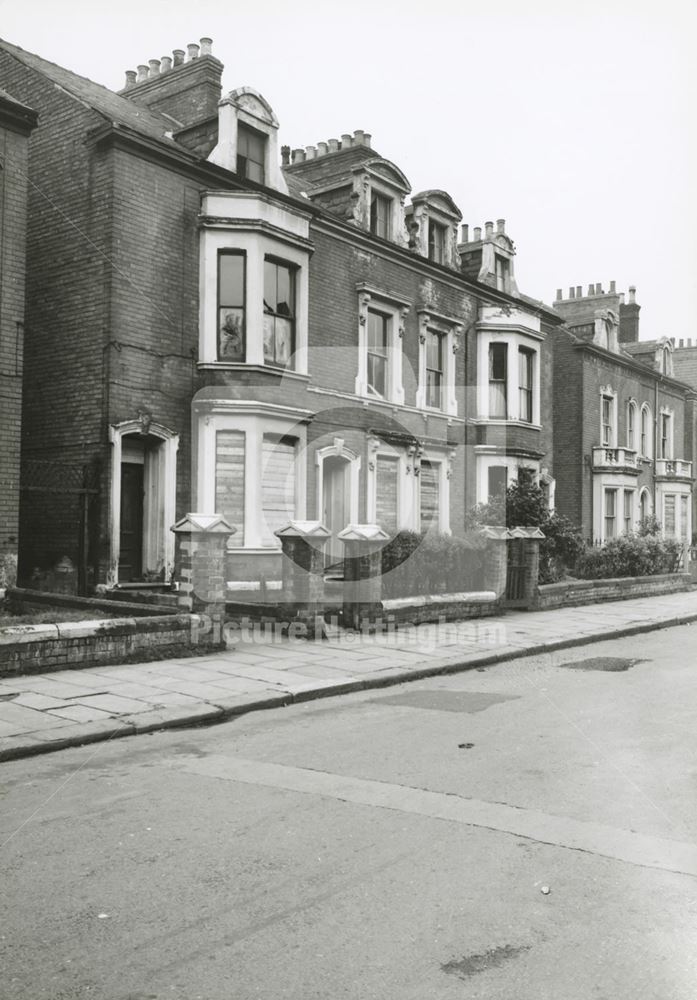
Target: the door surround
(163, 466)
(338, 449)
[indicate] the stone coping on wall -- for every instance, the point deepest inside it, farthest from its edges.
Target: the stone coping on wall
(430, 600)
(27, 649)
(568, 593)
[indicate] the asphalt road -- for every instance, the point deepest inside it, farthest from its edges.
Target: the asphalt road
(393, 844)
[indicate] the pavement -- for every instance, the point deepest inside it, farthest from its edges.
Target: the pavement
(40, 713)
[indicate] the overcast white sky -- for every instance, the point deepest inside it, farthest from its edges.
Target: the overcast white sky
(573, 122)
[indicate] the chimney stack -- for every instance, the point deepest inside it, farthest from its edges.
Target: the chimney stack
(333, 145)
(612, 288)
(298, 155)
(322, 149)
(346, 141)
(559, 295)
(285, 155)
(629, 319)
(579, 291)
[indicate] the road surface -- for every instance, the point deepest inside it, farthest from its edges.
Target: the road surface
(395, 844)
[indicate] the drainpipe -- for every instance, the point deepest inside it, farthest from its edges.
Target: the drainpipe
(655, 449)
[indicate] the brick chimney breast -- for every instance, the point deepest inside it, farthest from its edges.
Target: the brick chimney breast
(188, 91)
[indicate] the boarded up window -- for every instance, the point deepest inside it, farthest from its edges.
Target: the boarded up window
(386, 492)
(277, 484)
(429, 496)
(669, 516)
(229, 481)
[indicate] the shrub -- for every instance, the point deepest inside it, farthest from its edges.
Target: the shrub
(630, 555)
(8, 570)
(560, 549)
(431, 564)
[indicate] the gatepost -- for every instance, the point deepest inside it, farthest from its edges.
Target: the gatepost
(531, 558)
(362, 574)
(199, 571)
(303, 572)
(496, 559)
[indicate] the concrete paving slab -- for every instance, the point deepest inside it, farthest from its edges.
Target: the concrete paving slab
(37, 701)
(16, 719)
(80, 713)
(114, 704)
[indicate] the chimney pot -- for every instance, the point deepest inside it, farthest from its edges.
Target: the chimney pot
(192, 49)
(130, 78)
(465, 232)
(579, 291)
(333, 145)
(346, 141)
(632, 294)
(367, 139)
(500, 225)
(358, 136)
(591, 289)
(178, 56)
(310, 152)
(612, 288)
(142, 72)
(298, 155)
(206, 46)
(599, 288)
(571, 292)
(321, 149)
(558, 294)
(154, 67)
(165, 64)
(489, 228)
(477, 233)
(285, 155)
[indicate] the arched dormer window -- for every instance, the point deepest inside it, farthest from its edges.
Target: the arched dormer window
(667, 361)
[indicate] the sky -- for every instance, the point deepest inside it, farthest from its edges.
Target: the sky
(575, 122)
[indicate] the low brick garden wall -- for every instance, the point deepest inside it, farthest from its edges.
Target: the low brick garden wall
(572, 593)
(442, 607)
(31, 649)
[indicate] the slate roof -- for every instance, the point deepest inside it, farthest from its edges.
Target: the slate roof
(112, 107)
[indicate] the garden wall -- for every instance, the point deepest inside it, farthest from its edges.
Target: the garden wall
(572, 593)
(32, 649)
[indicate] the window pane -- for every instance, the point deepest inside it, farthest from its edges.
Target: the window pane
(270, 290)
(231, 279)
(377, 369)
(230, 481)
(669, 516)
(283, 339)
(498, 480)
(377, 333)
(284, 303)
(434, 386)
(497, 362)
(434, 351)
(231, 335)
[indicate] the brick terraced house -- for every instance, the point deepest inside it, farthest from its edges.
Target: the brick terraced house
(16, 124)
(623, 424)
(216, 324)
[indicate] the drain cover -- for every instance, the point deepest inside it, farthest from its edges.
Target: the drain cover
(610, 664)
(447, 701)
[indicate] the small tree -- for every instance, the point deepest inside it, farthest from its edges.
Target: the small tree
(524, 504)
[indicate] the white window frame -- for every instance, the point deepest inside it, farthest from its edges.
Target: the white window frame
(645, 492)
(633, 409)
(452, 332)
(442, 460)
(396, 201)
(260, 228)
(645, 411)
(682, 532)
(487, 460)
(371, 299)
(514, 340)
(666, 411)
(608, 392)
(255, 420)
(612, 481)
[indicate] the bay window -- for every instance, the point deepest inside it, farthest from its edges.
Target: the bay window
(628, 511)
(610, 514)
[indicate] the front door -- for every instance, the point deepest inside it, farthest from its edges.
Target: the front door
(131, 545)
(336, 503)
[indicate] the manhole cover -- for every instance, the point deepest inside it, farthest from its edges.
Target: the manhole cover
(447, 701)
(610, 664)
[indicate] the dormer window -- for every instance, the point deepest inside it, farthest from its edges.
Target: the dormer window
(251, 149)
(666, 361)
(380, 212)
(503, 271)
(436, 242)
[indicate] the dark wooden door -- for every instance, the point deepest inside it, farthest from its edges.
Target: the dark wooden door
(131, 547)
